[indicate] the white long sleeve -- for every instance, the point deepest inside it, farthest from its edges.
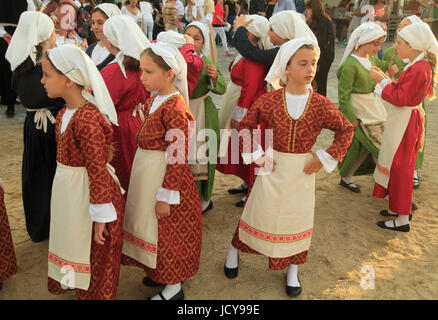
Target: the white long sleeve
(169, 196)
(103, 213)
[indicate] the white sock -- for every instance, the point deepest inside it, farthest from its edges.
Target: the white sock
(401, 220)
(348, 180)
(292, 276)
(205, 204)
(392, 212)
(415, 174)
(232, 260)
(244, 185)
(241, 186)
(168, 292)
(244, 199)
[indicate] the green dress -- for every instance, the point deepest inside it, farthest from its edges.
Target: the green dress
(386, 59)
(354, 78)
(203, 86)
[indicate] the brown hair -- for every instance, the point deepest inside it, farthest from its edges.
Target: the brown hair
(318, 11)
(127, 2)
(131, 64)
(26, 67)
(157, 59)
(431, 58)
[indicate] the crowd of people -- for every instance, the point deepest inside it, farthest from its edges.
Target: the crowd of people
(122, 139)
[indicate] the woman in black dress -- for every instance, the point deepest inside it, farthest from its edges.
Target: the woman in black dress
(39, 155)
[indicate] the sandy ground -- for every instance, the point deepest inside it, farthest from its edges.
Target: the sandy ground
(347, 247)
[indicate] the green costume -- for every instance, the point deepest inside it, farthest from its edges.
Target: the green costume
(386, 59)
(203, 86)
(354, 78)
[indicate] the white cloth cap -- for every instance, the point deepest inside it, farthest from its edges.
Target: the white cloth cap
(287, 50)
(78, 67)
(172, 37)
(206, 35)
(260, 27)
(420, 37)
(125, 34)
(365, 33)
(109, 9)
(33, 28)
(414, 19)
(176, 62)
(290, 25)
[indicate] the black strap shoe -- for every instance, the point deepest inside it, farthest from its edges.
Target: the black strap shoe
(148, 282)
(350, 186)
(293, 291)
(231, 273)
(386, 213)
(239, 189)
(414, 206)
(210, 206)
(240, 203)
(404, 228)
(178, 296)
(416, 183)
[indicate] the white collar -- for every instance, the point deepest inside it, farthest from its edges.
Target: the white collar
(418, 58)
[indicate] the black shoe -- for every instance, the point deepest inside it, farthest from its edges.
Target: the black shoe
(240, 203)
(210, 206)
(414, 206)
(416, 183)
(386, 213)
(178, 296)
(404, 228)
(1, 285)
(10, 111)
(148, 282)
(231, 273)
(350, 186)
(293, 291)
(236, 191)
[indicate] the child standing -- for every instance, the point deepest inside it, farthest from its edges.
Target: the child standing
(278, 217)
(87, 202)
(205, 113)
(404, 131)
(359, 104)
(163, 224)
(125, 40)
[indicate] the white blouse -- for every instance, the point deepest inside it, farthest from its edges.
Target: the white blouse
(138, 19)
(104, 212)
(296, 104)
(99, 54)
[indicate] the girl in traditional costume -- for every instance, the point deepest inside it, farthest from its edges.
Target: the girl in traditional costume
(98, 51)
(247, 84)
(359, 104)
(8, 263)
(277, 220)
(87, 201)
(125, 41)
(391, 59)
(206, 115)
(35, 34)
(163, 223)
(404, 131)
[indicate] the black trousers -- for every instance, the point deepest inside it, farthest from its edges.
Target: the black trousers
(321, 76)
(7, 94)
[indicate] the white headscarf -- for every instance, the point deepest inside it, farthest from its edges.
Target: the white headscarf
(260, 27)
(205, 34)
(109, 9)
(78, 67)
(290, 25)
(287, 50)
(172, 37)
(414, 19)
(176, 62)
(365, 33)
(125, 34)
(420, 37)
(33, 28)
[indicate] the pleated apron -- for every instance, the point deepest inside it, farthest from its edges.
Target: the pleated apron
(277, 220)
(370, 110)
(140, 229)
(71, 227)
(396, 124)
(197, 158)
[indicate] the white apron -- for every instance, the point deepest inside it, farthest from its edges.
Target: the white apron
(71, 227)
(198, 163)
(278, 217)
(140, 230)
(396, 124)
(372, 114)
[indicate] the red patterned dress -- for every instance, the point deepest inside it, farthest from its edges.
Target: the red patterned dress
(86, 142)
(126, 94)
(8, 264)
(296, 136)
(180, 234)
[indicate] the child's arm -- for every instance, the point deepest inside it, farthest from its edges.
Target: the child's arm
(346, 78)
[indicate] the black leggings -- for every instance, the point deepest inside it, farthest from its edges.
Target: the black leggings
(321, 76)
